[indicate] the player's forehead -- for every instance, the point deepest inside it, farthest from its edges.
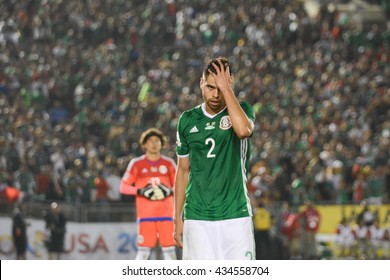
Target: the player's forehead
(209, 80)
(153, 138)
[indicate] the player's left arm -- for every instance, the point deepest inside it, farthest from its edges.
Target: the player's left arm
(243, 126)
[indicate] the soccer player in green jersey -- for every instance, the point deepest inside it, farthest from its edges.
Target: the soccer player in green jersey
(213, 216)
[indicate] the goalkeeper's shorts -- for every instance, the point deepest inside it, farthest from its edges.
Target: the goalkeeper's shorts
(151, 230)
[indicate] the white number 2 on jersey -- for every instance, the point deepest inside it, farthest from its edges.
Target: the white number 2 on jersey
(212, 142)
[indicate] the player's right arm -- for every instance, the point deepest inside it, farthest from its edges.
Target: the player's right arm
(128, 180)
(181, 182)
(242, 125)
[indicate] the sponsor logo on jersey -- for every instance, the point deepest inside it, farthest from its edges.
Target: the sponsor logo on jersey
(163, 169)
(225, 123)
(194, 130)
(210, 126)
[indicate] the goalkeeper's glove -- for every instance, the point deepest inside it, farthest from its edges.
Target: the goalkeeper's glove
(165, 190)
(147, 191)
(157, 194)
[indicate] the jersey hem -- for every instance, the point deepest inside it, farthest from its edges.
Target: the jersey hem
(216, 219)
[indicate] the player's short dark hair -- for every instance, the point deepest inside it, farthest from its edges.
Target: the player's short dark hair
(152, 132)
(209, 65)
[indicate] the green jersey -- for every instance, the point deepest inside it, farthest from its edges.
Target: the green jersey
(217, 186)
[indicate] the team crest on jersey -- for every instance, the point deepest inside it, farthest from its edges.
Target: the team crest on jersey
(225, 123)
(163, 169)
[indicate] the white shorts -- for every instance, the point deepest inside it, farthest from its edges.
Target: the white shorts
(219, 240)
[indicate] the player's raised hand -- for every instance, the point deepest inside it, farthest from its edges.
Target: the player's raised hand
(222, 76)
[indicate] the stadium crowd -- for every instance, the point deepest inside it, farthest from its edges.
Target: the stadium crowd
(80, 80)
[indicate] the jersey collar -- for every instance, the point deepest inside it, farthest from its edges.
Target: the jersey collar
(203, 106)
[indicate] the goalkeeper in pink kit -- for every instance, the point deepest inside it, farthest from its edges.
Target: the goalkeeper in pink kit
(150, 177)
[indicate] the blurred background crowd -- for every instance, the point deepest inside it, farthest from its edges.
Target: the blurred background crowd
(80, 80)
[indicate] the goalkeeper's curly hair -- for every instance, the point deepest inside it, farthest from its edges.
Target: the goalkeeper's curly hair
(152, 132)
